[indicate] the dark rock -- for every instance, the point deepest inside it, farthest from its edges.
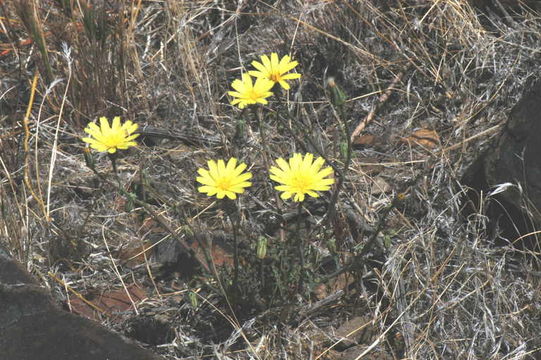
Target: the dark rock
(32, 327)
(150, 330)
(505, 6)
(513, 158)
(12, 272)
(518, 151)
(172, 258)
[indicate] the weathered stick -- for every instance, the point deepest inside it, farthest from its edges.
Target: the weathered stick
(383, 98)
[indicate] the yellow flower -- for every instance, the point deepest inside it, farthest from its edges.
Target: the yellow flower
(110, 139)
(302, 175)
(248, 93)
(274, 69)
(224, 180)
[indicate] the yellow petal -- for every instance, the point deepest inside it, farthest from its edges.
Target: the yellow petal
(210, 190)
(92, 129)
(231, 195)
(284, 84)
(239, 169)
(287, 67)
(247, 82)
(116, 123)
(263, 85)
(235, 94)
(259, 66)
(325, 172)
(239, 188)
(243, 177)
(307, 162)
(266, 62)
(274, 61)
(238, 85)
(221, 167)
(231, 164)
(285, 60)
(213, 169)
(262, 101)
(205, 180)
(203, 172)
(286, 195)
(104, 124)
(283, 164)
(291, 76)
(99, 147)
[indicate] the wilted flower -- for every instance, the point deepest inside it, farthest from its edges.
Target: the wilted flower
(105, 138)
(300, 176)
(275, 69)
(247, 93)
(224, 180)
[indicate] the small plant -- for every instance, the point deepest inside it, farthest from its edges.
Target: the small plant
(276, 269)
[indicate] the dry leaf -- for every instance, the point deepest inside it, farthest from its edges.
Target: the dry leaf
(426, 138)
(364, 140)
(111, 302)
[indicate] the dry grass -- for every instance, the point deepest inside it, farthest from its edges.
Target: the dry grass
(430, 284)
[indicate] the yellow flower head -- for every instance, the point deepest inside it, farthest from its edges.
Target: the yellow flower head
(300, 176)
(105, 138)
(248, 93)
(275, 69)
(224, 180)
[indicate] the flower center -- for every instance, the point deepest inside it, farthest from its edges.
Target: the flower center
(275, 76)
(301, 182)
(113, 140)
(223, 183)
(254, 95)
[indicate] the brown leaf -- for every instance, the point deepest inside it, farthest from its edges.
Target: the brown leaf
(218, 252)
(110, 302)
(364, 140)
(425, 138)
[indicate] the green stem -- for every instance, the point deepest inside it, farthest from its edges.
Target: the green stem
(266, 161)
(155, 216)
(234, 224)
(331, 210)
(300, 245)
(298, 233)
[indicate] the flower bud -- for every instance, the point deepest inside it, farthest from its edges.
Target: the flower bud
(261, 248)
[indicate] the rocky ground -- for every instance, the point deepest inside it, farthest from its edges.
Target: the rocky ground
(426, 247)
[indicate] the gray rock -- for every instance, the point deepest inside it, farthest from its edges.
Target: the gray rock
(33, 327)
(513, 158)
(517, 152)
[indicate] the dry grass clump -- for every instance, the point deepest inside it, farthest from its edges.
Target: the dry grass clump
(396, 251)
